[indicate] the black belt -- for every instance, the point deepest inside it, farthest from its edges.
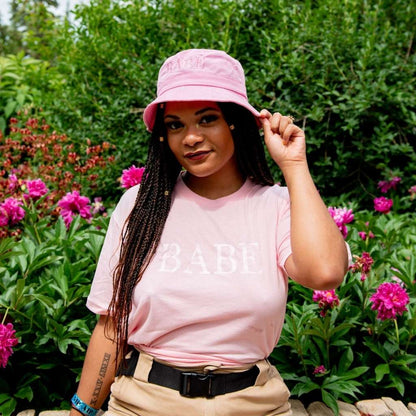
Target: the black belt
(191, 384)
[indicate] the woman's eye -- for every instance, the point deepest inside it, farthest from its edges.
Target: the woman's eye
(173, 125)
(209, 118)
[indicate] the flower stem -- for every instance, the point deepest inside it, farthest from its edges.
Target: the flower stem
(4, 316)
(397, 331)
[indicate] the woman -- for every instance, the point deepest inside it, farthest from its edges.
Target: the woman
(191, 284)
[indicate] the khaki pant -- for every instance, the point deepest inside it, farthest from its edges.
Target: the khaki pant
(135, 396)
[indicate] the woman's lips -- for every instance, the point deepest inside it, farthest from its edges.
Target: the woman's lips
(197, 155)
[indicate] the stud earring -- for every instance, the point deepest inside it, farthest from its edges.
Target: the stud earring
(166, 193)
(161, 138)
(232, 127)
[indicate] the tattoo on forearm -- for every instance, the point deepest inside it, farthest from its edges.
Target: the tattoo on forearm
(100, 380)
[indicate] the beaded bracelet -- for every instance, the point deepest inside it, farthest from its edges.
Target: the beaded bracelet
(83, 407)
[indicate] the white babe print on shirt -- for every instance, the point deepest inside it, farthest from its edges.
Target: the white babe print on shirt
(222, 259)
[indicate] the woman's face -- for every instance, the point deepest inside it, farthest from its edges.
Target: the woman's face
(200, 139)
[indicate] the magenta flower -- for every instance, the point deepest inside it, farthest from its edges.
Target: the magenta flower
(11, 212)
(385, 186)
(131, 176)
(319, 370)
(327, 299)
(364, 235)
(383, 204)
(74, 204)
(362, 264)
(389, 300)
(7, 341)
(35, 189)
(341, 216)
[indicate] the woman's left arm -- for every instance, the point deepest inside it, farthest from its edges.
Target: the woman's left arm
(319, 258)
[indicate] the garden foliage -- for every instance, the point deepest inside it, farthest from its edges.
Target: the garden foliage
(50, 240)
(345, 70)
(359, 341)
(356, 342)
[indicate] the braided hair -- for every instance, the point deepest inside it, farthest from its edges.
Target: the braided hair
(143, 228)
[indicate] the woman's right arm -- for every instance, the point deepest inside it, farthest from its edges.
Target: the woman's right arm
(99, 368)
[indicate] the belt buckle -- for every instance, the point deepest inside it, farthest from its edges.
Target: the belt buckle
(196, 385)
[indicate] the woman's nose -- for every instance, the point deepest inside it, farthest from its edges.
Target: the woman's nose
(193, 135)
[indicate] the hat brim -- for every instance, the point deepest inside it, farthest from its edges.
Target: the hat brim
(196, 93)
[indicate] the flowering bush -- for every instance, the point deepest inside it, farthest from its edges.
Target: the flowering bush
(41, 168)
(358, 341)
(353, 342)
(50, 240)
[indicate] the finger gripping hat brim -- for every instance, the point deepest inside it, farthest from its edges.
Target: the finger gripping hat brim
(199, 75)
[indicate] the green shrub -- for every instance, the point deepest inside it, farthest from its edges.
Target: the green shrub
(21, 80)
(344, 351)
(44, 284)
(344, 69)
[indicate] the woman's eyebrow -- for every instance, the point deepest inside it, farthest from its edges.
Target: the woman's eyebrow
(206, 109)
(171, 116)
(197, 113)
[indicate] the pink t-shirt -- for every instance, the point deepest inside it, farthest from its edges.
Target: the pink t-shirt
(216, 289)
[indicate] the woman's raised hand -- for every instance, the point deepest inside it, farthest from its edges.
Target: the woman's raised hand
(284, 140)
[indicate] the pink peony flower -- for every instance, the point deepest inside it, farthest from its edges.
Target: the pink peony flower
(362, 264)
(11, 212)
(383, 204)
(131, 176)
(7, 341)
(412, 191)
(74, 204)
(35, 189)
(327, 299)
(319, 370)
(389, 300)
(385, 186)
(341, 217)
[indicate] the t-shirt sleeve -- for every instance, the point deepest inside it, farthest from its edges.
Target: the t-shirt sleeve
(283, 245)
(101, 291)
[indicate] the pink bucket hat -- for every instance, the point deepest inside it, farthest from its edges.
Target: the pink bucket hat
(199, 75)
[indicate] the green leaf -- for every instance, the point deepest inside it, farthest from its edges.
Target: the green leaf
(355, 372)
(346, 360)
(381, 370)
(305, 387)
(397, 383)
(9, 109)
(330, 401)
(8, 406)
(25, 393)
